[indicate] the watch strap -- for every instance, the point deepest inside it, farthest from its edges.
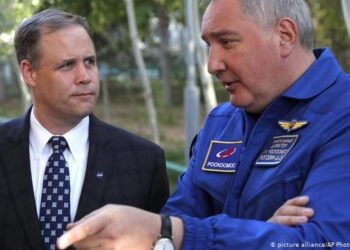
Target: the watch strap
(165, 229)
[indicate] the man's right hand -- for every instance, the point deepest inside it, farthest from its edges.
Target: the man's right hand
(293, 212)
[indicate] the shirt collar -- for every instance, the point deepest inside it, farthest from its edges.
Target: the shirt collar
(76, 137)
(38, 135)
(318, 77)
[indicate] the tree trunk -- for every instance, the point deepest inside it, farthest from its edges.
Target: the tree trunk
(346, 11)
(151, 111)
(2, 85)
(164, 54)
(202, 62)
(192, 108)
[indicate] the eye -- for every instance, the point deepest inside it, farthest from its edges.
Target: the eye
(227, 42)
(66, 66)
(90, 61)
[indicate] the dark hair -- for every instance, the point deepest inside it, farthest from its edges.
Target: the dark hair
(27, 36)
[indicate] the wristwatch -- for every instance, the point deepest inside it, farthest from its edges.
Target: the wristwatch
(165, 239)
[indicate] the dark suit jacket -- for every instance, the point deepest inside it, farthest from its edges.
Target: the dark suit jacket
(133, 170)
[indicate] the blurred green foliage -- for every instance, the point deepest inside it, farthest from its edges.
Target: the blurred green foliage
(330, 29)
(12, 12)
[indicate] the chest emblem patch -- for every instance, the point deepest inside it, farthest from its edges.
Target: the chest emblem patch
(222, 156)
(277, 150)
(292, 125)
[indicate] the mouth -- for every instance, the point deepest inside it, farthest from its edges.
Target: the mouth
(86, 95)
(229, 85)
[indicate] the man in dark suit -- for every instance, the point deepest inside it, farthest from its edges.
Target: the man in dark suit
(102, 164)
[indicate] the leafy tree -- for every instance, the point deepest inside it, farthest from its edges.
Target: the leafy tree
(330, 29)
(12, 13)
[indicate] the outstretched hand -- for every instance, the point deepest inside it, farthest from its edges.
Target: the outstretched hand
(113, 227)
(124, 227)
(118, 227)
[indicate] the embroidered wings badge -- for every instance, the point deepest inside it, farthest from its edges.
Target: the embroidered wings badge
(292, 125)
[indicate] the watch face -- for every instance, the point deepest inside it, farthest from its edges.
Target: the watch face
(164, 244)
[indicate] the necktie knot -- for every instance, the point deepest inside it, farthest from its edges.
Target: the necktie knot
(58, 143)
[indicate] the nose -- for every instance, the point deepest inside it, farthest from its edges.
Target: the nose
(83, 74)
(215, 61)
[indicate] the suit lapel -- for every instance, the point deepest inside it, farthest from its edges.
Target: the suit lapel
(98, 170)
(16, 165)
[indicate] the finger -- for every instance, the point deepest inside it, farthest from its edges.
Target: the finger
(91, 243)
(289, 220)
(92, 214)
(82, 230)
(94, 243)
(298, 201)
(294, 211)
(70, 226)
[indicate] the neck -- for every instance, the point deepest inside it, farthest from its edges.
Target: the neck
(56, 125)
(306, 58)
(296, 64)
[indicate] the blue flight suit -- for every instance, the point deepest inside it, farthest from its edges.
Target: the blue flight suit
(244, 167)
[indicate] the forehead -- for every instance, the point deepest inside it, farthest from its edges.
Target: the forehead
(71, 40)
(226, 16)
(220, 13)
(68, 33)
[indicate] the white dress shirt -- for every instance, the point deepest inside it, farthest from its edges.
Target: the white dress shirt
(76, 157)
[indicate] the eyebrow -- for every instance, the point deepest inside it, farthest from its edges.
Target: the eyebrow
(92, 57)
(221, 33)
(64, 61)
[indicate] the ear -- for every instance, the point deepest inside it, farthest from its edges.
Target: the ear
(288, 35)
(28, 72)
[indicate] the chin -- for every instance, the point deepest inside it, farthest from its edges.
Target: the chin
(80, 114)
(234, 102)
(85, 109)
(86, 113)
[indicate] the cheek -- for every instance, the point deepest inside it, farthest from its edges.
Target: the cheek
(96, 76)
(96, 83)
(44, 88)
(248, 94)
(96, 80)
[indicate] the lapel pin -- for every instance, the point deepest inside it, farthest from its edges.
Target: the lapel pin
(99, 175)
(292, 125)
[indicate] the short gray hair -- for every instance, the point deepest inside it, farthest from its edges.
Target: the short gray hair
(27, 36)
(266, 13)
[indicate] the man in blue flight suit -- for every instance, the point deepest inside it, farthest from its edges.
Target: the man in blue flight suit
(285, 132)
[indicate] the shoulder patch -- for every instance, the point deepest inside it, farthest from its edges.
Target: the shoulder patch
(222, 156)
